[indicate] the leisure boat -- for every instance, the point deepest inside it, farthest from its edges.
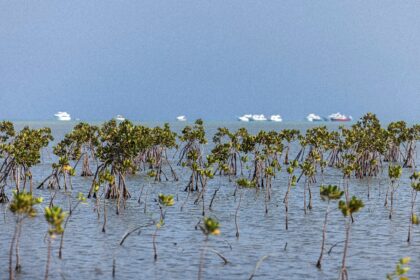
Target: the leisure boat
(258, 118)
(245, 118)
(337, 117)
(314, 118)
(181, 118)
(276, 118)
(119, 118)
(62, 116)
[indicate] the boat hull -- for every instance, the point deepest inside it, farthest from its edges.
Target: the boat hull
(63, 116)
(341, 120)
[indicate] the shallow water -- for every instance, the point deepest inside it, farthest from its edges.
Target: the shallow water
(376, 242)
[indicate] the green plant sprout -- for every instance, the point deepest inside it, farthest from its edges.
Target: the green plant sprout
(210, 226)
(55, 217)
(23, 207)
(348, 208)
(415, 188)
(394, 173)
(400, 271)
(164, 201)
(327, 193)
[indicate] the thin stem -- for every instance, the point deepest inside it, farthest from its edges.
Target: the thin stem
(344, 274)
(236, 216)
(47, 267)
(410, 224)
(105, 218)
(203, 251)
(324, 233)
(154, 244)
(11, 271)
(18, 266)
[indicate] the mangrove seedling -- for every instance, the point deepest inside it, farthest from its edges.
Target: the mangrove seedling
(22, 206)
(394, 173)
(289, 135)
(119, 145)
(22, 153)
(7, 131)
(226, 151)
(205, 173)
(244, 183)
(348, 208)
(415, 188)
(397, 133)
(85, 139)
(161, 139)
(308, 170)
(210, 226)
(370, 143)
(55, 217)
(327, 193)
(290, 183)
(191, 154)
(164, 201)
(412, 136)
(400, 271)
(78, 145)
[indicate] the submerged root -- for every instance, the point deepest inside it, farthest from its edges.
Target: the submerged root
(3, 197)
(86, 172)
(112, 193)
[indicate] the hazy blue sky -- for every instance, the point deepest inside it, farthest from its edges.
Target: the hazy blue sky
(154, 60)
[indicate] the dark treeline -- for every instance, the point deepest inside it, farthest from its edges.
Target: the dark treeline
(114, 150)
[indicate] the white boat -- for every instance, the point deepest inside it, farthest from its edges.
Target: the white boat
(314, 118)
(276, 118)
(119, 118)
(337, 117)
(258, 118)
(181, 118)
(245, 118)
(62, 116)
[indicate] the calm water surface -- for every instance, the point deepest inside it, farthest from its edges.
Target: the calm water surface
(376, 242)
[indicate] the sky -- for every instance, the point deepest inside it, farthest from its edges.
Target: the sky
(154, 60)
